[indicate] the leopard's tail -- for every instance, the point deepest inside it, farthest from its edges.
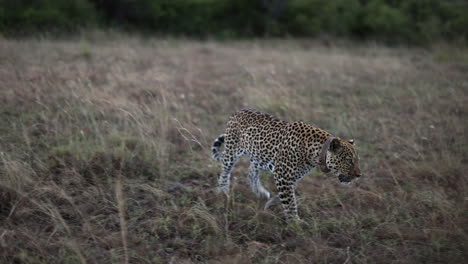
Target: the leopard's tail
(216, 146)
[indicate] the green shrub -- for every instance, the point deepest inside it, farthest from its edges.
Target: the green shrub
(20, 15)
(310, 17)
(416, 21)
(455, 20)
(190, 17)
(385, 21)
(305, 17)
(342, 16)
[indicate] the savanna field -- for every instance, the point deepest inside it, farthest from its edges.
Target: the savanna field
(105, 151)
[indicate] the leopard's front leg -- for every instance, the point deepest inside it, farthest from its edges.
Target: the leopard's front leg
(286, 192)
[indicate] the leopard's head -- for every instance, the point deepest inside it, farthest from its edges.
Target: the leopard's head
(342, 160)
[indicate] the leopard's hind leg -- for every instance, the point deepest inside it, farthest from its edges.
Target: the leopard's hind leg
(254, 180)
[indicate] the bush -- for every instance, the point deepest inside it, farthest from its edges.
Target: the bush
(416, 21)
(25, 15)
(189, 17)
(455, 20)
(385, 21)
(305, 17)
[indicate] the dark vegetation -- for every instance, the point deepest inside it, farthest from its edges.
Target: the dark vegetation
(105, 151)
(393, 21)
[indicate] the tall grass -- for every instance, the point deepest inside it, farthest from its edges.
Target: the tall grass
(105, 151)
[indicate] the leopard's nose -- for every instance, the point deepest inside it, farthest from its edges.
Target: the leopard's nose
(357, 172)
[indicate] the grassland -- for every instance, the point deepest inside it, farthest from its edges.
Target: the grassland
(105, 151)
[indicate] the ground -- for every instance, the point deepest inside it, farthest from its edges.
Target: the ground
(105, 151)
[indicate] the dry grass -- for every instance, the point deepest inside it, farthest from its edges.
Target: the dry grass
(105, 142)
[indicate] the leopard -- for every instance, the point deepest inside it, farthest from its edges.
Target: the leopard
(289, 150)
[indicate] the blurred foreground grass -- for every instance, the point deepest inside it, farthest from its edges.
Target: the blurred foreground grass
(105, 151)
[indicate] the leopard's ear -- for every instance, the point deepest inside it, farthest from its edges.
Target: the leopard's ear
(335, 145)
(351, 141)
